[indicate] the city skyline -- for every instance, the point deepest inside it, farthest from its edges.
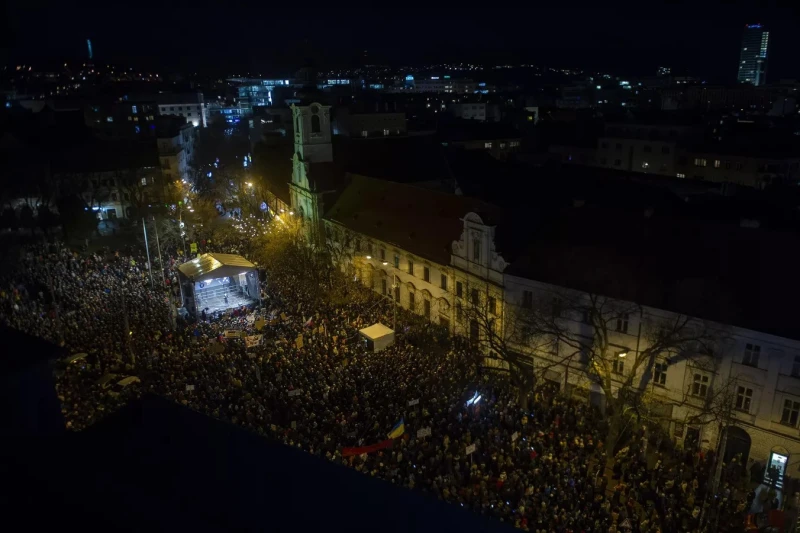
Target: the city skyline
(704, 43)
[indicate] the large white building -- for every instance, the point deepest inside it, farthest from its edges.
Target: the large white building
(175, 149)
(436, 255)
(443, 256)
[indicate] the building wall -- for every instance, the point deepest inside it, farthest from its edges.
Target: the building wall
(743, 170)
(499, 148)
(193, 112)
(774, 379)
(473, 275)
(370, 124)
(176, 152)
(637, 155)
(469, 111)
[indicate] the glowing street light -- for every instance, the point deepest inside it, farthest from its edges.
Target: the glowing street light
(369, 257)
(622, 354)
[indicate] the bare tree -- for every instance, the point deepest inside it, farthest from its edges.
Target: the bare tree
(617, 345)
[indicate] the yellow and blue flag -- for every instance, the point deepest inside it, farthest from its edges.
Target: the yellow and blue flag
(398, 430)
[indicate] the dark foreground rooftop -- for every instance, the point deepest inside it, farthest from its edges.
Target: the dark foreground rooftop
(157, 466)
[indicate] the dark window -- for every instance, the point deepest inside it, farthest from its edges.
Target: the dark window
(315, 126)
(618, 366)
(411, 302)
(459, 289)
(444, 282)
(665, 149)
(744, 396)
(752, 352)
(660, 374)
(427, 308)
(426, 274)
(700, 385)
(492, 303)
(383, 254)
(647, 148)
(617, 162)
(476, 299)
(622, 323)
(411, 267)
(619, 147)
(397, 293)
(790, 412)
(796, 366)
(476, 249)
(397, 261)
(474, 331)
(383, 286)
(527, 299)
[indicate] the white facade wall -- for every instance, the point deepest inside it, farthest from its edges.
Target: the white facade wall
(194, 112)
(774, 380)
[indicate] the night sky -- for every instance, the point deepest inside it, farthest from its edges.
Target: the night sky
(234, 38)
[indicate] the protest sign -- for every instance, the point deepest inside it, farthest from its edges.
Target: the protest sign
(470, 449)
(252, 340)
(514, 436)
(232, 333)
(413, 402)
(259, 324)
(424, 432)
(295, 392)
(189, 387)
(298, 342)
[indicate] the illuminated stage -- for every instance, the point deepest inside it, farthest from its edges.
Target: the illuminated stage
(216, 282)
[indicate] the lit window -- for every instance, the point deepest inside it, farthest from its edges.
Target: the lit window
(681, 175)
(364, 133)
(137, 129)
(134, 110)
(618, 366)
(144, 181)
(109, 119)
(385, 132)
(645, 164)
(700, 162)
(717, 163)
(487, 145)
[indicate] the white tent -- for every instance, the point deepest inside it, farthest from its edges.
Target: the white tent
(378, 337)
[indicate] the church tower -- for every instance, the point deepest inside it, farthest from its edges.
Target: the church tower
(312, 145)
(312, 133)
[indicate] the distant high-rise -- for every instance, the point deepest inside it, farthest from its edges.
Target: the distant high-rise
(753, 59)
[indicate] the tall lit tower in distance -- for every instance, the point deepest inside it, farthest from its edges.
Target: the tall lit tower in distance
(753, 59)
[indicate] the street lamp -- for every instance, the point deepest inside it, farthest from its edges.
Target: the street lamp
(622, 354)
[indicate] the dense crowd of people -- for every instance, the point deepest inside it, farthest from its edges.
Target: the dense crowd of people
(311, 383)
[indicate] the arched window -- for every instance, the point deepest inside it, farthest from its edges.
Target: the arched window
(315, 127)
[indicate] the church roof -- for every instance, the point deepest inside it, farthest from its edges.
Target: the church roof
(422, 221)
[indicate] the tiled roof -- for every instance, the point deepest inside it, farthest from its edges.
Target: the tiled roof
(421, 221)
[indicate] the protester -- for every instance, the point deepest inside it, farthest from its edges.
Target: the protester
(310, 383)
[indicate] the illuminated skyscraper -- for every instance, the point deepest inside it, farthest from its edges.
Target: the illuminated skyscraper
(753, 59)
